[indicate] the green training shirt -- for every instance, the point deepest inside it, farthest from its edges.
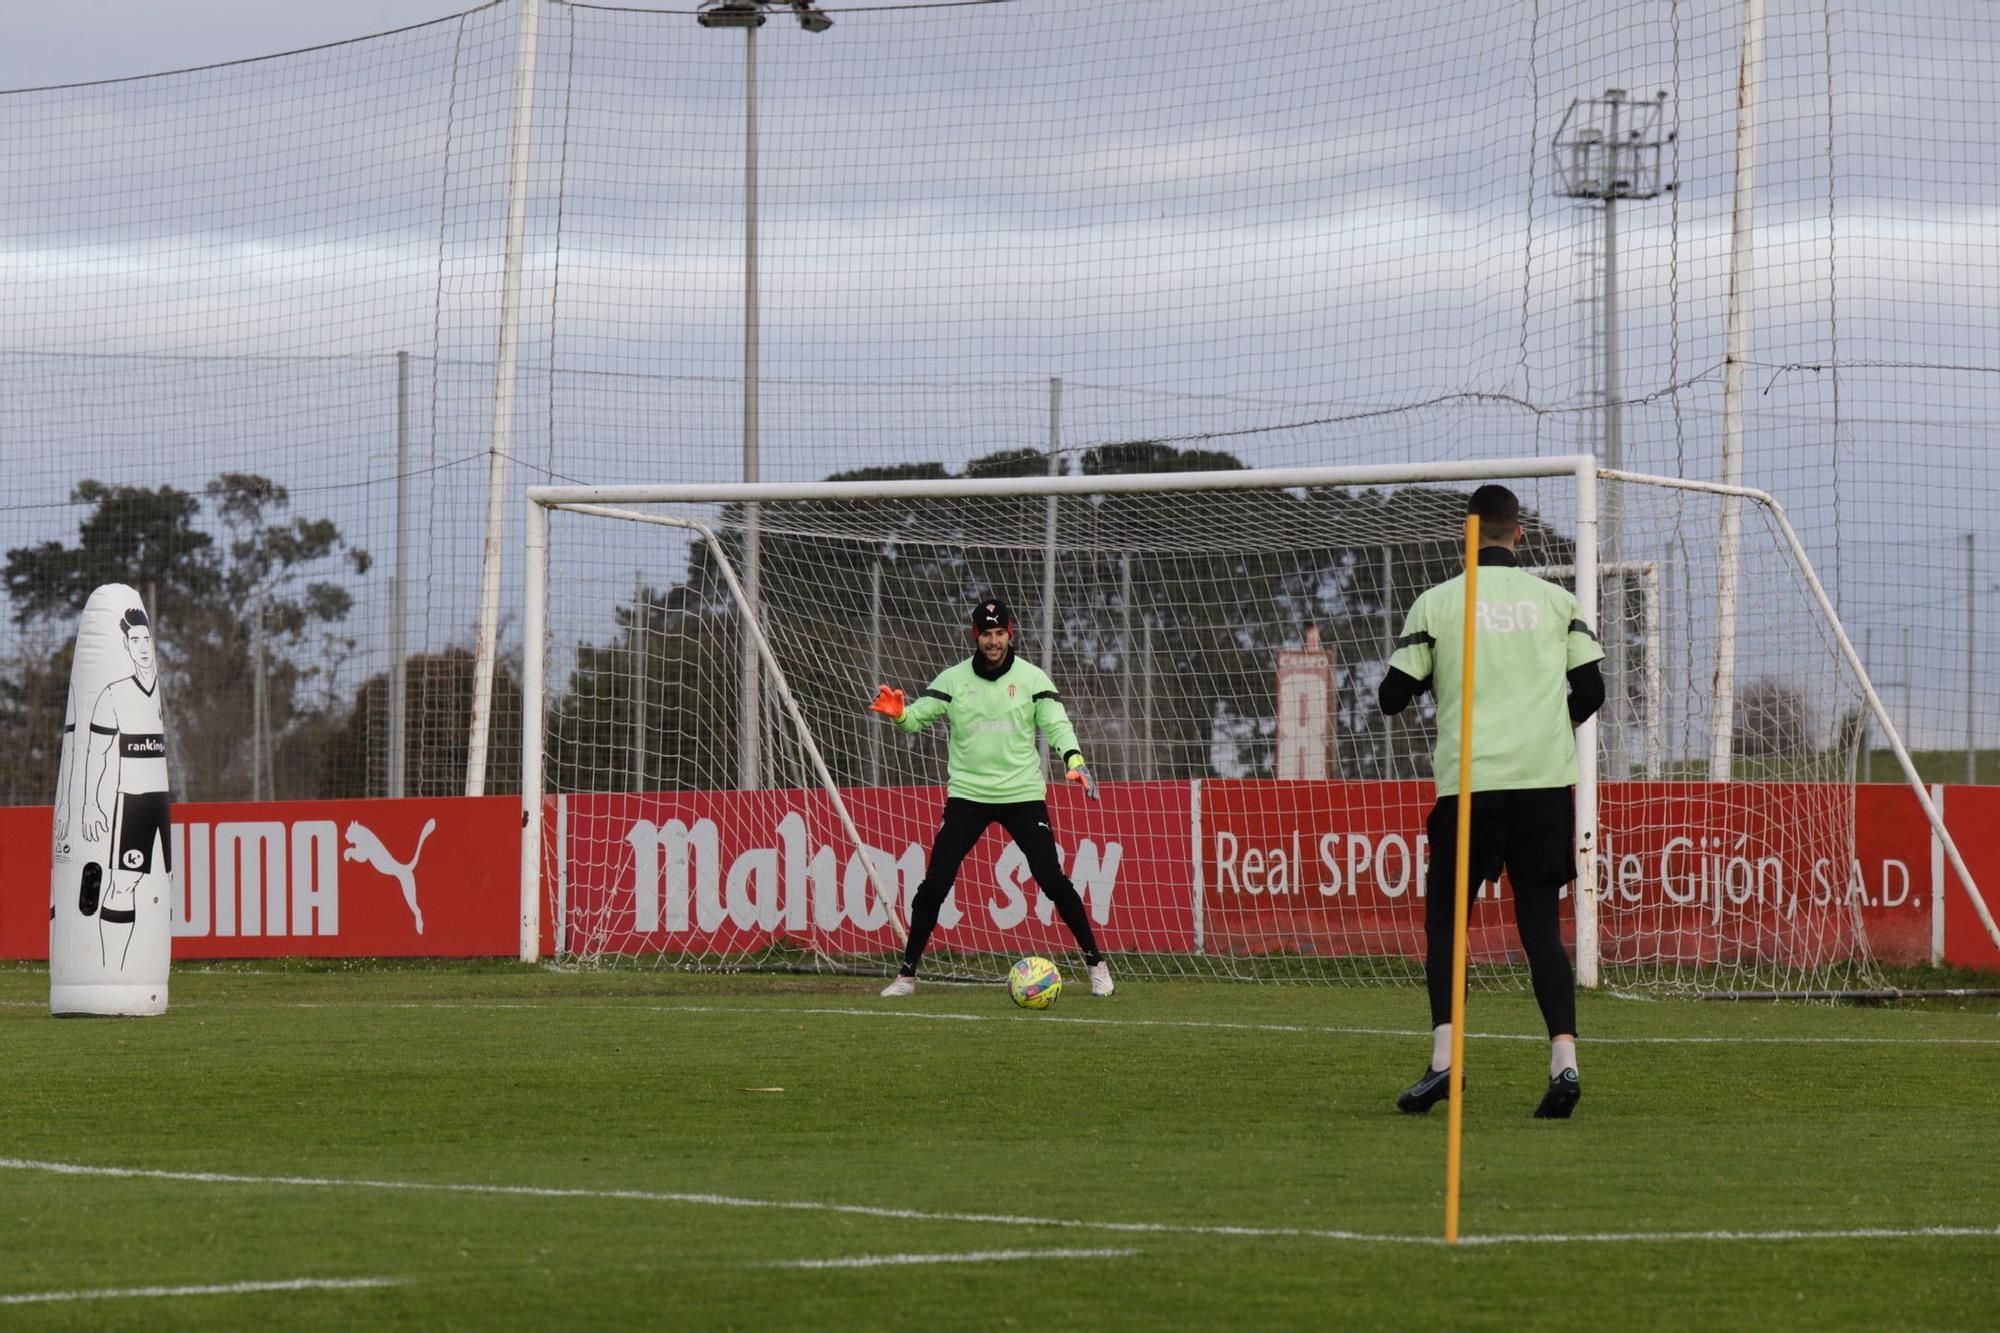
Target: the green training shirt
(1530, 637)
(993, 725)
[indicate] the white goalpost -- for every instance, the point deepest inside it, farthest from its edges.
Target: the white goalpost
(1171, 599)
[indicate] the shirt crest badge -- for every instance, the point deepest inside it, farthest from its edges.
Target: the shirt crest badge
(1010, 691)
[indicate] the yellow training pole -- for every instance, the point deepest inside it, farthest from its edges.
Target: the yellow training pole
(1461, 872)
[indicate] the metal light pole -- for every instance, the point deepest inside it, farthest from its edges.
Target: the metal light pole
(1049, 548)
(641, 655)
(875, 663)
(260, 721)
(1971, 661)
(749, 15)
(399, 595)
(1608, 149)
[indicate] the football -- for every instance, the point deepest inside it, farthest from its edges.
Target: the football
(1034, 983)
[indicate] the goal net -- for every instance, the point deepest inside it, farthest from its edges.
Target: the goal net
(715, 793)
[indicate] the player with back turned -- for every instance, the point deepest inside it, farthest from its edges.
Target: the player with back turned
(1537, 681)
(995, 704)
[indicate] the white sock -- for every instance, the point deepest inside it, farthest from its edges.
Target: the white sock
(1441, 1046)
(1562, 1055)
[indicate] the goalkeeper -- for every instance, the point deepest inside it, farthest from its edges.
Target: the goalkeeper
(1531, 642)
(995, 703)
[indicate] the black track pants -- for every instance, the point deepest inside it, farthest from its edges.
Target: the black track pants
(1027, 823)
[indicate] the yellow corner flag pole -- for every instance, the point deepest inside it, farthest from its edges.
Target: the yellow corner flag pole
(1461, 872)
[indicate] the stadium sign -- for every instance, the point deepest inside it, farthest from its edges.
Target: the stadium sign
(1214, 867)
(346, 879)
(737, 872)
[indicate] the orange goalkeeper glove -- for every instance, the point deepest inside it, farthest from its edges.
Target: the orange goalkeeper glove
(888, 702)
(1081, 776)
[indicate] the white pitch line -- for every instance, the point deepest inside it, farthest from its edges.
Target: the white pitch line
(949, 1016)
(1303, 1029)
(1777, 1235)
(1307, 1029)
(217, 1289)
(975, 1257)
(984, 1219)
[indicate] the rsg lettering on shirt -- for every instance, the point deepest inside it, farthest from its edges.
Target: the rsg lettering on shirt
(1532, 638)
(1508, 617)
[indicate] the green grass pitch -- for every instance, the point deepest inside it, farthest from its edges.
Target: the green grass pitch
(504, 1147)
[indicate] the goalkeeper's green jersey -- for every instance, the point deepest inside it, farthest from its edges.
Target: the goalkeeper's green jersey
(993, 725)
(1530, 637)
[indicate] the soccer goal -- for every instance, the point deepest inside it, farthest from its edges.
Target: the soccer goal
(705, 787)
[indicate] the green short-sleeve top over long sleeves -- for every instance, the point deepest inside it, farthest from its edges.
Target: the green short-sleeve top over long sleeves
(1530, 636)
(992, 754)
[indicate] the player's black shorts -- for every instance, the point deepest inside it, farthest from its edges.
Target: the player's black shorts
(142, 816)
(1530, 833)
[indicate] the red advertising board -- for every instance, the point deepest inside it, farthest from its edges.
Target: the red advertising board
(1973, 816)
(1697, 872)
(736, 872)
(1713, 872)
(1320, 868)
(1890, 881)
(1705, 872)
(334, 879)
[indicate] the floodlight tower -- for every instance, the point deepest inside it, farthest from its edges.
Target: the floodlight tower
(749, 15)
(1607, 149)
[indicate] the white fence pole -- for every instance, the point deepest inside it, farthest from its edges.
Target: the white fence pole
(504, 373)
(1736, 346)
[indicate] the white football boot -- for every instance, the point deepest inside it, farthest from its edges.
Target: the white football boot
(902, 986)
(1100, 979)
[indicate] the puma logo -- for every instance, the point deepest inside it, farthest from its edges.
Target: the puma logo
(364, 846)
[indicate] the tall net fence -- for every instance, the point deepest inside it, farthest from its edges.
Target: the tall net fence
(993, 239)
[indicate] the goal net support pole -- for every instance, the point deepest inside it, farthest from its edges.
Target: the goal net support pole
(1588, 949)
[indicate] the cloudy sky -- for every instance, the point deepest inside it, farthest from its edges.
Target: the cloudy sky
(109, 39)
(1234, 224)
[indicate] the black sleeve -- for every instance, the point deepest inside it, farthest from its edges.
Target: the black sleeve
(1586, 693)
(1398, 688)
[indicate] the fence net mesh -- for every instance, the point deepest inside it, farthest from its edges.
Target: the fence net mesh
(250, 312)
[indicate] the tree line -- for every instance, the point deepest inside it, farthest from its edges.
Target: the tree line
(232, 578)
(1170, 612)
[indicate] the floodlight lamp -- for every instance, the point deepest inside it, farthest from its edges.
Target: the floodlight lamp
(812, 20)
(731, 14)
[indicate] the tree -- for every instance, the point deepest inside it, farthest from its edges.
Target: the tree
(34, 693)
(1772, 719)
(232, 580)
(352, 757)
